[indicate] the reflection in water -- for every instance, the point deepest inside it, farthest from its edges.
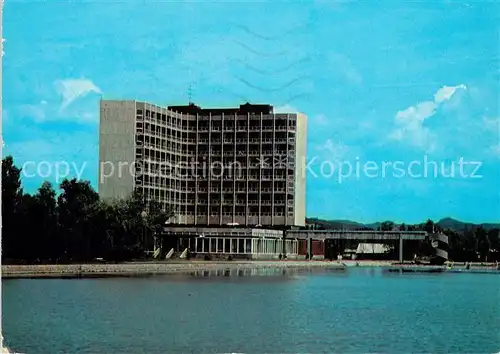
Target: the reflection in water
(235, 272)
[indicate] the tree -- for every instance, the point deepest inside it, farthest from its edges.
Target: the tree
(483, 243)
(77, 205)
(45, 205)
(127, 226)
(11, 203)
(27, 232)
(132, 224)
(494, 237)
(156, 218)
(386, 226)
(429, 227)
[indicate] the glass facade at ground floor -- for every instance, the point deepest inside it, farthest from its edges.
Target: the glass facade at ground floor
(238, 245)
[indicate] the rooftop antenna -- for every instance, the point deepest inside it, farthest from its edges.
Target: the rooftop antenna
(190, 94)
(190, 89)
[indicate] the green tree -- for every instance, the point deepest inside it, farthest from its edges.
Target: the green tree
(494, 237)
(483, 243)
(386, 226)
(429, 226)
(77, 206)
(156, 217)
(45, 210)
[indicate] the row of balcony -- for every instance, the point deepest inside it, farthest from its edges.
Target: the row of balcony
(246, 141)
(232, 202)
(278, 128)
(280, 153)
(218, 203)
(169, 138)
(172, 117)
(187, 190)
(186, 177)
(202, 190)
(216, 215)
(230, 190)
(281, 161)
(164, 146)
(216, 152)
(236, 171)
(238, 202)
(226, 140)
(183, 124)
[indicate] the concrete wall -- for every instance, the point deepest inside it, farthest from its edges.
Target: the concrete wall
(300, 171)
(116, 148)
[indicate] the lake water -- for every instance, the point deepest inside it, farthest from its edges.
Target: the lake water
(357, 311)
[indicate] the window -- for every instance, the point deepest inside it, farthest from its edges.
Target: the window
(248, 245)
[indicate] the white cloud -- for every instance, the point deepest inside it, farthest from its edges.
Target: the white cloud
(446, 92)
(52, 110)
(321, 120)
(417, 113)
(410, 122)
(72, 89)
(286, 109)
(343, 67)
(335, 151)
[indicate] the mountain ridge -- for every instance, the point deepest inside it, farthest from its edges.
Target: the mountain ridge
(444, 223)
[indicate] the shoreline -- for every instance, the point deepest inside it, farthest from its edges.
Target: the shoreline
(145, 269)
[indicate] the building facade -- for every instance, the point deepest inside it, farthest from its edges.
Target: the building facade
(229, 166)
(236, 242)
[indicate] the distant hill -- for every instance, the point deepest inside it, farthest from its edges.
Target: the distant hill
(336, 224)
(457, 225)
(374, 225)
(446, 223)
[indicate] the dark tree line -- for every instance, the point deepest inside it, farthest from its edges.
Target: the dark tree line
(469, 244)
(473, 243)
(75, 225)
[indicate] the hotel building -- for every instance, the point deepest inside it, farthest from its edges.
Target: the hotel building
(214, 167)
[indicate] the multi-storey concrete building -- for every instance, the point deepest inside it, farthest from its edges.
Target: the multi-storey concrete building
(227, 166)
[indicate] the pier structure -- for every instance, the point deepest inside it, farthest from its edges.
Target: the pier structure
(315, 236)
(257, 243)
(439, 242)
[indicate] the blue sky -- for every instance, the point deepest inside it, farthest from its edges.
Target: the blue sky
(381, 81)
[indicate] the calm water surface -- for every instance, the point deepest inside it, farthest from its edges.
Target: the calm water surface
(358, 311)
